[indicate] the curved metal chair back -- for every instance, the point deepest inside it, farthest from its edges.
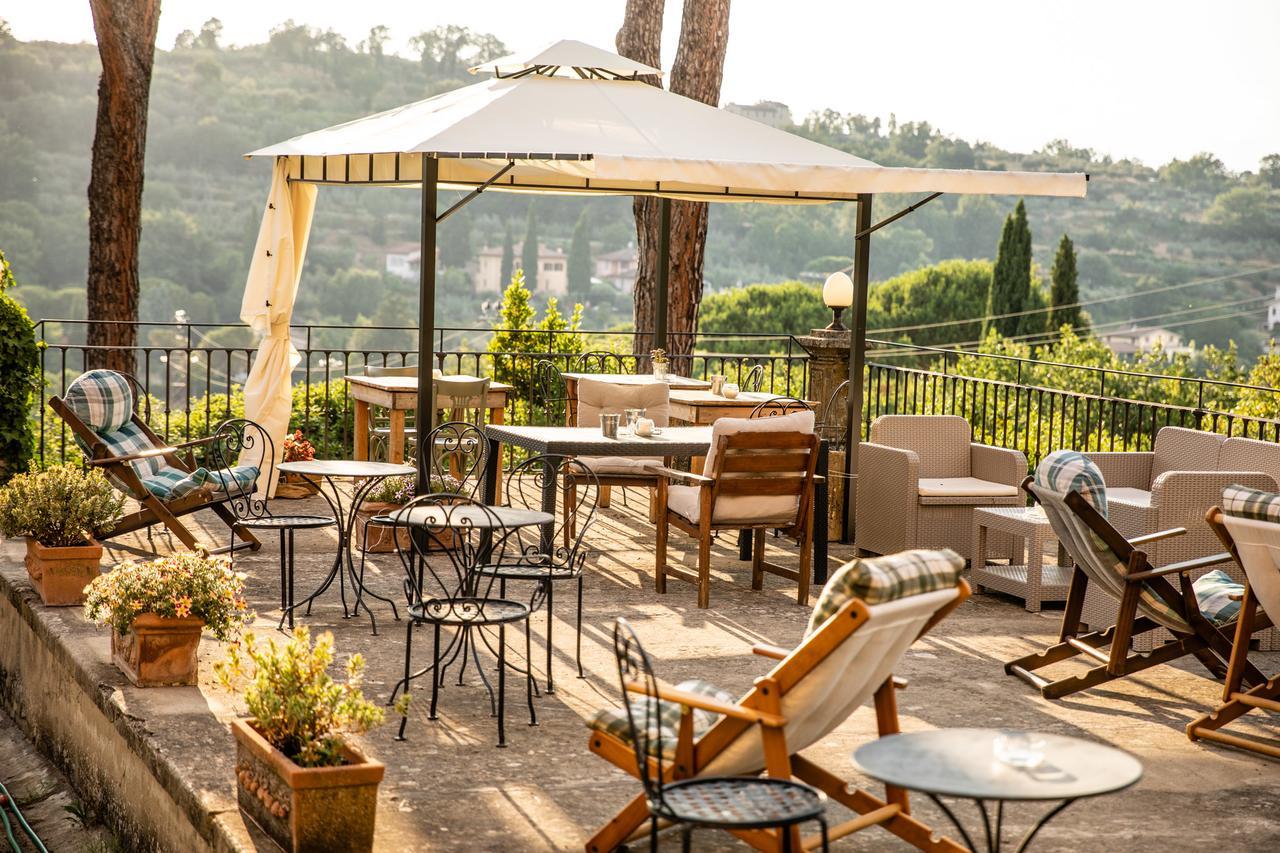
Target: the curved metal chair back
(750, 379)
(382, 370)
(450, 536)
(240, 441)
(526, 486)
(775, 406)
(456, 454)
(550, 397)
(644, 711)
(835, 417)
(600, 362)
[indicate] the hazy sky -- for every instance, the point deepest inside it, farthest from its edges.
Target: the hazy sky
(1145, 79)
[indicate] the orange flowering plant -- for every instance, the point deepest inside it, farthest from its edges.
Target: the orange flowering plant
(297, 448)
(180, 585)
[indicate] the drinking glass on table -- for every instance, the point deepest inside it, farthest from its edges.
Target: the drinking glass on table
(630, 416)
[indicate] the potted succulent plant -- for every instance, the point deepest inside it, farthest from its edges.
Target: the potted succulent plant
(296, 448)
(157, 610)
(660, 364)
(387, 497)
(57, 510)
(297, 777)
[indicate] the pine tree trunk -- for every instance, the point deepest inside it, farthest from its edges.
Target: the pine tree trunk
(126, 31)
(641, 39)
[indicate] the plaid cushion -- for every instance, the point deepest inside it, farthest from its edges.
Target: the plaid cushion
(613, 721)
(171, 483)
(130, 439)
(102, 399)
(1243, 502)
(1071, 471)
(1214, 593)
(887, 578)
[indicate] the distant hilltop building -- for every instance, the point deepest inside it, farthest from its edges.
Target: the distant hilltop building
(1138, 339)
(552, 276)
(772, 113)
(617, 268)
(405, 260)
(1273, 311)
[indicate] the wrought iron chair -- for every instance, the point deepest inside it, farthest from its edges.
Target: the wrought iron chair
(538, 558)
(599, 361)
(451, 536)
(717, 802)
(783, 405)
(550, 395)
(240, 441)
(753, 379)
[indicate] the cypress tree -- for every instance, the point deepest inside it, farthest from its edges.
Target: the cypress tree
(1065, 291)
(580, 258)
(529, 252)
(1011, 277)
(508, 256)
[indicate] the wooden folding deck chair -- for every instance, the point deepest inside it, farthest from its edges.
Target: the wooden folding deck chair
(844, 660)
(1251, 531)
(100, 407)
(1073, 494)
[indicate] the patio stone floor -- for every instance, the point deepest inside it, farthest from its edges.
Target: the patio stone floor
(448, 787)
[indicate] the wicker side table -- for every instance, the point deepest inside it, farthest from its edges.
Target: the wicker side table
(1034, 582)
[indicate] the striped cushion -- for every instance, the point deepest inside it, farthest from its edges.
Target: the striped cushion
(887, 578)
(130, 439)
(1243, 502)
(1066, 471)
(613, 721)
(102, 399)
(1214, 595)
(171, 483)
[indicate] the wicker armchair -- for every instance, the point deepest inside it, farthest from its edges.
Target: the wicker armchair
(919, 479)
(1174, 485)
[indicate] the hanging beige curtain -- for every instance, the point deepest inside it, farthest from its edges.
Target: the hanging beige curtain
(268, 304)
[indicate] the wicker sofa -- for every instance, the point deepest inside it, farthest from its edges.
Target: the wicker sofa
(919, 479)
(1174, 485)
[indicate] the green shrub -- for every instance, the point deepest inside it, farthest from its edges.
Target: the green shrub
(19, 379)
(59, 505)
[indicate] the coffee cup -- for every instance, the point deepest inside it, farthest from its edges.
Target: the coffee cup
(644, 427)
(731, 390)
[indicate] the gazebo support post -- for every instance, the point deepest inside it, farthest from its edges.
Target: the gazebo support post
(664, 275)
(426, 315)
(857, 358)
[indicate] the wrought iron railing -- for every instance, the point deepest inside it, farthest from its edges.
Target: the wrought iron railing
(194, 372)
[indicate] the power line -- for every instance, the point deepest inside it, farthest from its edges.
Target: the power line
(1085, 304)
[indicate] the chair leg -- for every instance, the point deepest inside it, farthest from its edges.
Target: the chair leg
(806, 563)
(283, 563)
(528, 671)
(606, 495)
(704, 569)
(408, 652)
(653, 834)
(757, 558)
(436, 676)
(660, 549)
(686, 838)
(289, 577)
(578, 650)
(502, 685)
(551, 682)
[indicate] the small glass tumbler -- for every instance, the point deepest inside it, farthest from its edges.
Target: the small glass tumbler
(609, 425)
(629, 418)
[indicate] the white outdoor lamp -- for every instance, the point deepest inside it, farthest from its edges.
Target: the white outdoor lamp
(837, 294)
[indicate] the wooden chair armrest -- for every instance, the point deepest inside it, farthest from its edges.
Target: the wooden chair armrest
(195, 442)
(697, 700)
(687, 477)
(132, 457)
(899, 683)
(770, 651)
(1179, 568)
(1157, 536)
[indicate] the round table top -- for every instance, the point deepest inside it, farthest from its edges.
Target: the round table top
(346, 468)
(963, 763)
(470, 515)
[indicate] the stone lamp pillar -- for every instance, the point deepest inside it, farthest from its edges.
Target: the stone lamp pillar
(828, 367)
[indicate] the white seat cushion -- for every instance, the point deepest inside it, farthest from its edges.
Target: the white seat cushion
(683, 501)
(618, 464)
(1133, 497)
(964, 487)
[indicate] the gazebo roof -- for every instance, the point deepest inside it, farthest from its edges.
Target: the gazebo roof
(601, 131)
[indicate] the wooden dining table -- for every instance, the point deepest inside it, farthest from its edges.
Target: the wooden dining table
(675, 383)
(701, 407)
(399, 394)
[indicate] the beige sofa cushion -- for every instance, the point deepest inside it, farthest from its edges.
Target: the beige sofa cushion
(1133, 497)
(964, 487)
(941, 442)
(684, 500)
(1249, 454)
(631, 466)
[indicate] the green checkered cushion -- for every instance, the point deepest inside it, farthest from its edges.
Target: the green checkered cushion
(1066, 471)
(1243, 502)
(171, 483)
(613, 721)
(102, 399)
(1214, 596)
(887, 578)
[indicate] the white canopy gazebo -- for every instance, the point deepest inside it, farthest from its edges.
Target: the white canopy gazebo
(568, 119)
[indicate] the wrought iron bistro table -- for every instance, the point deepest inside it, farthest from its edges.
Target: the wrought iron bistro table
(588, 441)
(963, 763)
(365, 475)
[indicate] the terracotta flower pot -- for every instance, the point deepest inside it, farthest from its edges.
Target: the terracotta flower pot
(158, 650)
(294, 486)
(379, 538)
(61, 574)
(306, 808)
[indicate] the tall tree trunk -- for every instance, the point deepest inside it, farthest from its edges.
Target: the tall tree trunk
(697, 74)
(126, 31)
(641, 39)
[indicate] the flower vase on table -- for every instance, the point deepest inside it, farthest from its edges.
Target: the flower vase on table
(660, 364)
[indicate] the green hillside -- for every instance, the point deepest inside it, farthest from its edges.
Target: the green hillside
(1140, 228)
